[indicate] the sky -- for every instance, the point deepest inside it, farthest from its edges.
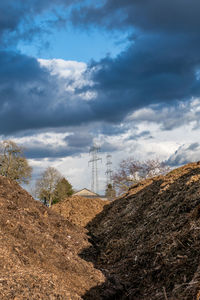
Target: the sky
(124, 74)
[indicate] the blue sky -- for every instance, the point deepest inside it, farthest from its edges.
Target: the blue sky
(122, 74)
(74, 44)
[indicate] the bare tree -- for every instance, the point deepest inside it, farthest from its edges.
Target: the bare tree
(154, 167)
(13, 164)
(46, 185)
(131, 171)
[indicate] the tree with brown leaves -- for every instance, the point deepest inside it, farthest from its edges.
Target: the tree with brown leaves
(13, 164)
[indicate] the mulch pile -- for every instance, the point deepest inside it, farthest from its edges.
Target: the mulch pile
(147, 243)
(39, 250)
(80, 210)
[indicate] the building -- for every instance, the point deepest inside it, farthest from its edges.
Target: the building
(88, 194)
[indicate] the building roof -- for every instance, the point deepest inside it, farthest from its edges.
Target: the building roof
(85, 192)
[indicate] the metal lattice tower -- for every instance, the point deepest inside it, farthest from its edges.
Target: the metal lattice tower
(109, 171)
(94, 161)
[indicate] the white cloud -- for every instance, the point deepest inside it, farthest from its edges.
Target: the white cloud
(185, 154)
(64, 68)
(172, 130)
(71, 73)
(169, 117)
(47, 138)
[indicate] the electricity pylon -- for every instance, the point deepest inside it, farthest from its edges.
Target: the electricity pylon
(94, 150)
(109, 171)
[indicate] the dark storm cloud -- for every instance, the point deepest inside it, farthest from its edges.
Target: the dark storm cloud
(80, 140)
(107, 147)
(146, 134)
(46, 151)
(13, 12)
(112, 130)
(156, 69)
(75, 143)
(17, 18)
(39, 150)
(154, 15)
(30, 98)
(160, 65)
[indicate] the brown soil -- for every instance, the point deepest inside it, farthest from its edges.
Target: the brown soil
(39, 250)
(80, 210)
(147, 243)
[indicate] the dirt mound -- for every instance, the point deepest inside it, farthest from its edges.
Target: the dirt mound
(148, 242)
(80, 210)
(39, 250)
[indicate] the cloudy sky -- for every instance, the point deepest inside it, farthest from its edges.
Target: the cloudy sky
(124, 74)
